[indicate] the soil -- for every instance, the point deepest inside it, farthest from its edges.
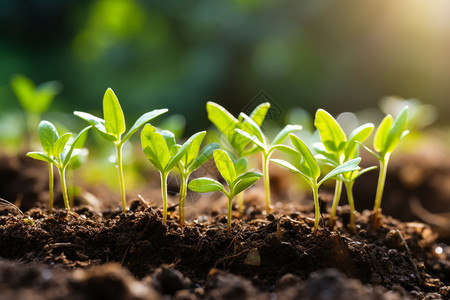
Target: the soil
(105, 254)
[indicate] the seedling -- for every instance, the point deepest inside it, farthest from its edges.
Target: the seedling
(253, 133)
(59, 152)
(162, 151)
(113, 126)
(337, 149)
(387, 137)
(35, 100)
(227, 124)
(310, 170)
(236, 183)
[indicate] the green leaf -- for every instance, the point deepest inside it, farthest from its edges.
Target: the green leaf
(99, 124)
(205, 154)
(259, 113)
(282, 135)
(360, 134)
(221, 118)
(251, 127)
(75, 144)
(245, 183)
(348, 166)
(113, 114)
(169, 137)
(248, 175)
(194, 148)
(78, 159)
(396, 132)
(285, 149)
(60, 144)
(48, 136)
(205, 185)
(240, 165)
(381, 135)
(41, 156)
(44, 94)
(356, 174)
(23, 88)
(331, 133)
(289, 166)
(142, 120)
(252, 139)
(155, 147)
(308, 163)
(225, 166)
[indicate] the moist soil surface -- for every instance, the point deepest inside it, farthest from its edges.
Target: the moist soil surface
(92, 254)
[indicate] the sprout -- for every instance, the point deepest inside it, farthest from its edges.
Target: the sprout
(227, 125)
(337, 149)
(388, 135)
(59, 152)
(236, 183)
(112, 128)
(252, 132)
(310, 170)
(163, 152)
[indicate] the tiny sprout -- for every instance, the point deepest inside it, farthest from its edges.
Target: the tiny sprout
(337, 149)
(227, 124)
(236, 183)
(387, 137)
(113, 126)
(310, 170)
(163, 152)
(253, 133)
(58, 151)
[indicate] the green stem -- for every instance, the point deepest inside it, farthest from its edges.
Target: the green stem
(164, 195)
(71, 188)
(62, 173)
(266, 180)
(230, 205)
(380, 186)
(50, 186)
(351, 202)
(240, 199)
(121, 180)
(183, 191)
(336, 198)
(315, 189)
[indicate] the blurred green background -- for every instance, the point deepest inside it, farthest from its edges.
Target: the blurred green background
(339, 55)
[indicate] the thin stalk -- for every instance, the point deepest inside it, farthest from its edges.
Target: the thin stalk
(164, 195)
(183, 191)
(230, 205)
(121, 180)
(71, 188)
(315, 189)
(50, 186)
(380, 186)
(240, 200)
(266, 179)
(351, 202)
(336, 198)
(62, 173)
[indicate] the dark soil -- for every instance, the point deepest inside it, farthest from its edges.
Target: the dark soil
(109, 255)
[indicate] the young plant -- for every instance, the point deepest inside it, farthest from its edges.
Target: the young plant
(236, 183)
(253, 133)
(59, 152)
(113, 126)
(227, 124)
(387, 137)
(162, 151)
(337, 149)
(35, 100)
(310, 170)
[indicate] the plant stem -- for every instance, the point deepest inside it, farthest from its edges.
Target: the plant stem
(121, 180)
(71, 188)
(62, 173)
(380, 186)
(50, 186)
(351, 202)
(336, 198)
(183, 191)
(266, 179)
(240, 199)
(230, 205)
(164, 195)
(315, 189)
